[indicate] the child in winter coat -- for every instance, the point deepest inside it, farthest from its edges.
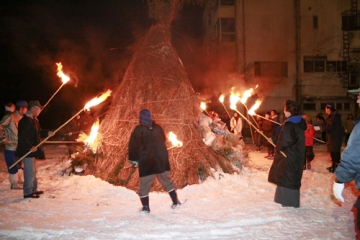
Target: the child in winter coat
(310, 133)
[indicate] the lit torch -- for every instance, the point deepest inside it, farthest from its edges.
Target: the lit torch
(174, 141)
(221, 99)
(233, 102)
(254, 107)
(203, 107)
(64, 80)
(88, 105)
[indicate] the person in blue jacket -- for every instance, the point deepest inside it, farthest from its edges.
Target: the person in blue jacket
(349, 167)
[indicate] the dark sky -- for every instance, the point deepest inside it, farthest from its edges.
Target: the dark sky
(92, 39)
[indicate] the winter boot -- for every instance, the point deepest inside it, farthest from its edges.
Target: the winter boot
(14, 182)
(175, 200)
(330, 168)
(145, 203)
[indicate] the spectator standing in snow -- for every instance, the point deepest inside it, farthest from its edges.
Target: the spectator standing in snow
(349, 126)
(334, 135)
(236, 125)
(29, 136)
(286, 172)
(349, 167)
(9, 128)
(148, 151)
(226, 120)
(268, 128)
(275, 117)
(257, 136)
(309, 142)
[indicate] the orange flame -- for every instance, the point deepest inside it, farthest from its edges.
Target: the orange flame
(234, 98)
(221, 98)
(60, 73)
(203, 105)
(97, 100)
(93, 134)
(254, 107)
(246, 95)
(175, 142)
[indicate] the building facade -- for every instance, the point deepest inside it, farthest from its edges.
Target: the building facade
(306, 50)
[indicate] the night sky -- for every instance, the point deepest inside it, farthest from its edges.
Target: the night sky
(93, 40)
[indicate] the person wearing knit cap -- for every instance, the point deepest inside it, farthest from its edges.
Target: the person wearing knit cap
(334, 135)
(9, 128)
(148, 152)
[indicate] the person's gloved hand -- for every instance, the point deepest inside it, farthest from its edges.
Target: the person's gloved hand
(337, 190)
(134, 163)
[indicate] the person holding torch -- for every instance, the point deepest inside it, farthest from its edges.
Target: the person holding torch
(29, 134)
(148, 151)
(286, 172)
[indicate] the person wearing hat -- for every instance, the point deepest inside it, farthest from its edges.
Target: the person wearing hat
(148, 151)
(28, 137)
(310, 134)
(9, 129)
(349, 167)
(334, 135)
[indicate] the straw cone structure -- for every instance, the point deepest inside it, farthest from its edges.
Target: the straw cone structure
(156, 80)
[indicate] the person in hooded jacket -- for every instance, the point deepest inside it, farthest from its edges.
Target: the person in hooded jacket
(286, 172)
(148, 151)
(349, 167)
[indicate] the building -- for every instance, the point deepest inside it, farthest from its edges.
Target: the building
(306, 50)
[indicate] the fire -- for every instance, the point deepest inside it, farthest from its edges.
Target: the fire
(221, 98)
(60, 73)
(254, 107)
(246, 95)
(175, 142)
(233, 101)
(97, 100)
(203, 105)
(93, 134)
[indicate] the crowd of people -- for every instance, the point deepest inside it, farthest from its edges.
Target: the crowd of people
(20, 132)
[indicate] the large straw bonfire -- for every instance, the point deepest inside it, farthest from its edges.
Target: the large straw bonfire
(156, 79)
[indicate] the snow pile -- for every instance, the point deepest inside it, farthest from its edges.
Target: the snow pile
(228, 207)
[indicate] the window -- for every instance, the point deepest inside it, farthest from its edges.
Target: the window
(322, 106)
(314, 63)
(315, 22)
(227, 29)
(338, 106)
(274, 69)
(346, 106)
(227, 2)
(309, 106)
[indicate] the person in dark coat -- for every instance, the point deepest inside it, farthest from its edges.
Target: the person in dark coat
(268, 128)
(29, 134)
(148, 151)
(257, 136)
(286, 172)
(334, 135)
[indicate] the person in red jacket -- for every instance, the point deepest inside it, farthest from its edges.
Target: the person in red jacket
(310, 133)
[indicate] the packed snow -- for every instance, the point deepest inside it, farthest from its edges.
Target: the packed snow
(237, 206)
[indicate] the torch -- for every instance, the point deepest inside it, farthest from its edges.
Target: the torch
(64, 79)
(221, 99)
(233, 107)
(174, 141)
(93, 102)
(203, 107)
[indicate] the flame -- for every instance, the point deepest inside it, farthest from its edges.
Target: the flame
(203, 105)
(246, 95)
(254, 107)
(174, 141)
(60, 73)
(234, 98)
(97, 100)
(221, 98)
(93, 134)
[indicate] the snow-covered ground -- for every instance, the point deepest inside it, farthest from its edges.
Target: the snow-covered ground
(232, 207)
